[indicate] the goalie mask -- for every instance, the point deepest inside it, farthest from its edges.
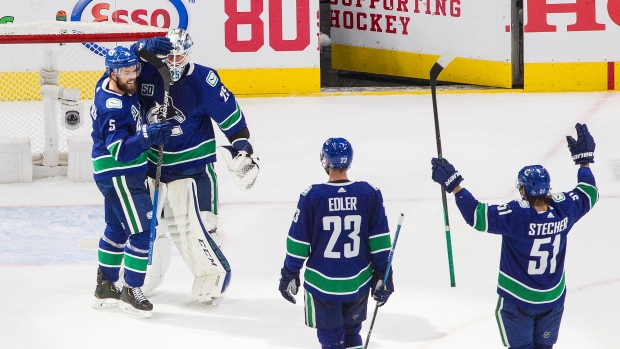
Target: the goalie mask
(535, 180)
(178, 57)
(336, 153)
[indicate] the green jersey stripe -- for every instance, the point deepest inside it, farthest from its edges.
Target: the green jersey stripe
(528, 294)
(231, 120)
(203, 150)
(114, 148)
(297, 248)
(380, 242)
(337, 286)
(108, 163)
(591, 191)
(480, 217)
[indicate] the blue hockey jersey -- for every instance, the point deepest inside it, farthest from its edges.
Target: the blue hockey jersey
(116, 120)
(195, 99)
(342, 231)
(531, 272)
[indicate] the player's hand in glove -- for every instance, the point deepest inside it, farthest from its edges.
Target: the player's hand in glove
(154, 134)
(582, 149)
(445, 174)
(242, 162)
(289, 285)
(159, 45)
(378, 290)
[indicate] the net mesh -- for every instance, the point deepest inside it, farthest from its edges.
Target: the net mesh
(79, 66)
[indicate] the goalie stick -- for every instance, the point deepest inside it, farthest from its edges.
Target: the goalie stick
(385, 277)
(163, 70)
(441, 63)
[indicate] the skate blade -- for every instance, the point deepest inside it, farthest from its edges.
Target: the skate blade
(133, 311)
(105, 303)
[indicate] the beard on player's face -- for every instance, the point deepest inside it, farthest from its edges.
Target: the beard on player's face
(128, 86)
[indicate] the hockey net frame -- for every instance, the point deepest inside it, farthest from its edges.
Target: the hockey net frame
(49, 68)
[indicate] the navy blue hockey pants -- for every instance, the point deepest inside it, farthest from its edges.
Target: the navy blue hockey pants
(338, 324)
(128, 210)
(523, 328)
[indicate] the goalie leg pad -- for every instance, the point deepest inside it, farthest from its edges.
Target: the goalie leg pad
(189, 229)
(162, 249)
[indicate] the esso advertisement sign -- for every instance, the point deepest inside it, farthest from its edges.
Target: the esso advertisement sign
(157, 13)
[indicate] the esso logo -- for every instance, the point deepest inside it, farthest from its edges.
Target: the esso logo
(166, 14)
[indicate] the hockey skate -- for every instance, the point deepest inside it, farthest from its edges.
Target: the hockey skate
(106, 292)
(133, 302)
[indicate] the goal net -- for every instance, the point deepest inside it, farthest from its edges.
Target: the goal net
(48, 72)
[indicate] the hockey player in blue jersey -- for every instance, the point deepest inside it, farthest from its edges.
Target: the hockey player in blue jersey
(531, 283)
(189, 188)
(340, 230)
(120, 142)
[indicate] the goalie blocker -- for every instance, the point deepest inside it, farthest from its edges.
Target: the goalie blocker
(189, 229)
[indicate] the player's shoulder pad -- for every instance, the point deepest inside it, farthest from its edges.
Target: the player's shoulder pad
(558, 197)
(523, 203)
(306, 191)
(114, 103)
(206, 74)
(370, 184)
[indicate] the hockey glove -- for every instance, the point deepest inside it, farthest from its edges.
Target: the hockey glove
(379, 291)
(154, 134)
(289, 285)
(159, 45)
(242, 162)
(582, 149)
(445, 174)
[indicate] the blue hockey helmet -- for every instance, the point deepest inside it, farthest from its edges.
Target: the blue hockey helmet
(535, 180)
(336, 153)
(121, 57)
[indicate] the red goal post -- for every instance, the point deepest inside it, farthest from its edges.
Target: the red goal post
(48, 68)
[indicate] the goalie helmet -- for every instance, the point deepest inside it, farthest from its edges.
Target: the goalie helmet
(179, 55)
(535, 179)
(336, 153)
(121, 57)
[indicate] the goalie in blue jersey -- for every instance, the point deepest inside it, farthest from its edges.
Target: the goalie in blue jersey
(120, 142)
(341, 232)
(531, 283)
(188, 194)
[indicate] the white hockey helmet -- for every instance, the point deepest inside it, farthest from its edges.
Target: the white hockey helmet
(178, 57)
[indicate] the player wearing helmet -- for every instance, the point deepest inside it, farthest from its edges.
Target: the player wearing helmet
(189, 189)
(531, 283)
(120, 142)
(341, 233)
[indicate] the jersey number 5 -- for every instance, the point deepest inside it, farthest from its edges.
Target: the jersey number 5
(335, 224)
(543, 256)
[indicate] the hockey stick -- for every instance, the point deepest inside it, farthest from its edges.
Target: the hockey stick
(385, 277)
(163, 70)
(441, 63)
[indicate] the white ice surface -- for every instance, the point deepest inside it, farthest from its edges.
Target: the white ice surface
(48, 280)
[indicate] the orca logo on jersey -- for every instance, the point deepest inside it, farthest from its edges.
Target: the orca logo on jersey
(174, 116)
